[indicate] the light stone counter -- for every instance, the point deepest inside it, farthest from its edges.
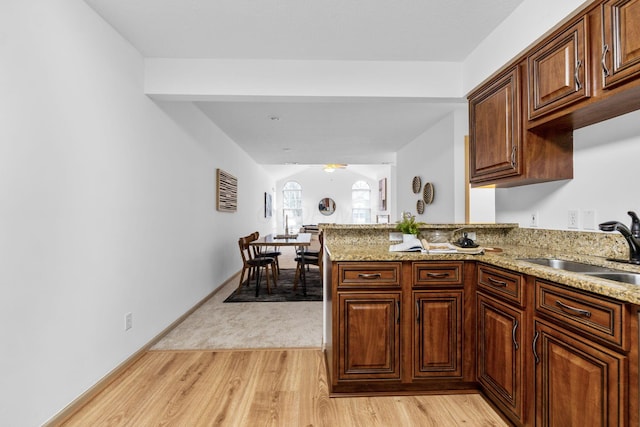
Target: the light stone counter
(592, 248)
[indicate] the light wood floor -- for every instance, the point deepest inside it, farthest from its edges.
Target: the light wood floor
(284, 387)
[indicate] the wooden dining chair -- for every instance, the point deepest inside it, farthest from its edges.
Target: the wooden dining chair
(253, 264)
(269, 253)
(310, 258)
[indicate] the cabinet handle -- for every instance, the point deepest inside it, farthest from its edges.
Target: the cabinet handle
(513, 156)
(563, 306)
(398, 312)
(438, 275)
(535, 341)
(605, 69)
(576, 75)
(370, 276)
(513, 334)
(417, 311)
(495, 282)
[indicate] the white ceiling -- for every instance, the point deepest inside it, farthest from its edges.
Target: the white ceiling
(354, 30)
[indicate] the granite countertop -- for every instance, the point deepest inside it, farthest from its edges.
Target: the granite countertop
(509, 259)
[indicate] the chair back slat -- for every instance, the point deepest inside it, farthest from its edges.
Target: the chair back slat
(245, 248)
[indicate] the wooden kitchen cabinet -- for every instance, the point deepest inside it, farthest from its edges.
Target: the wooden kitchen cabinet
(501, 152)
(399, 326)
(578, 382)
(500, 332)
(521, 120)
(500, 354)
(580, 349)
(495, 128)
(437, 337)
(621, 41)
(438, 320)
(558, 73)
(369, 336)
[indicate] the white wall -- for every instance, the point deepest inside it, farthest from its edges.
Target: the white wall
(605, 177)
(435, 157)
(107, 206)
(317, 184)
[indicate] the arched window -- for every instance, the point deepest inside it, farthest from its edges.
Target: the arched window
(360, 203)
(292, 206)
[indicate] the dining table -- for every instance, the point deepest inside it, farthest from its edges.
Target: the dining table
(300, 241)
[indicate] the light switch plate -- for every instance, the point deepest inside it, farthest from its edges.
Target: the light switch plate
(589, 219)
(572, 219)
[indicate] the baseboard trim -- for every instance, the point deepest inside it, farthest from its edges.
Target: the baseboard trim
(92, 392)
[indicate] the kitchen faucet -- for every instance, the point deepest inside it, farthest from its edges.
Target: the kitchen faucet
(632, 235)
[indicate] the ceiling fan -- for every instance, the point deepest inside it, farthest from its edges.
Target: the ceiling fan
(330, 167)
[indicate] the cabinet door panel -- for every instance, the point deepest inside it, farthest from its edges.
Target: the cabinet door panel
(577, 382)
(621, 50)
(499, 352)
(494, 115)
(557, 74)
(438, 334)
(369, 335)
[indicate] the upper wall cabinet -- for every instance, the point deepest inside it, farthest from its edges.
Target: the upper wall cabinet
(584, 71)
(621, 37)
(500, 152)
(494, 117)
(557, 71)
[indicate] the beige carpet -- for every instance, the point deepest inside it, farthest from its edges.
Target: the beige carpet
(216, 325)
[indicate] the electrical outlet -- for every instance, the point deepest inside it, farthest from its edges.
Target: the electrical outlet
(533, 219)
(128, 321)
(589, 219)
(572, 219)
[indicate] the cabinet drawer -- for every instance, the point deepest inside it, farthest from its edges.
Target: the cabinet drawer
(502, 283)
(437, 273)
(369, 274)
(599, 317)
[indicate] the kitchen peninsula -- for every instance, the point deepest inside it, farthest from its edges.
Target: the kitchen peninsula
(546, 346)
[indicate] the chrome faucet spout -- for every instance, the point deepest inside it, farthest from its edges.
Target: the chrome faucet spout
(632, 236)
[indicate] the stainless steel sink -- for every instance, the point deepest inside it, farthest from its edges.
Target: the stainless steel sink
(632, 278)
(563, 264)
(588, 269)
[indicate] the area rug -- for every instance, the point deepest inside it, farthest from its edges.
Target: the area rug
(281, 293)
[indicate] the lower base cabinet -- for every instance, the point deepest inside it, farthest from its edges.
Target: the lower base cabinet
(500, 354)
(369, 336)
(578, 383)
(399, 327)
(545, 354)
(438, 334)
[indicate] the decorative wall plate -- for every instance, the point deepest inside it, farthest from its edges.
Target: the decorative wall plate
(428, 193)
(420, 207)
(417, 184)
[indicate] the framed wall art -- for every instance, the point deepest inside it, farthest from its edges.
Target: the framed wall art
(267, 205)
(227, 189)
(382, 194)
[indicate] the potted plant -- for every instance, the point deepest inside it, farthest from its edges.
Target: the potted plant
(409, 226)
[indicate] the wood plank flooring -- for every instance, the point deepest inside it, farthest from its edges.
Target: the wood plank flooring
(280, 387)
